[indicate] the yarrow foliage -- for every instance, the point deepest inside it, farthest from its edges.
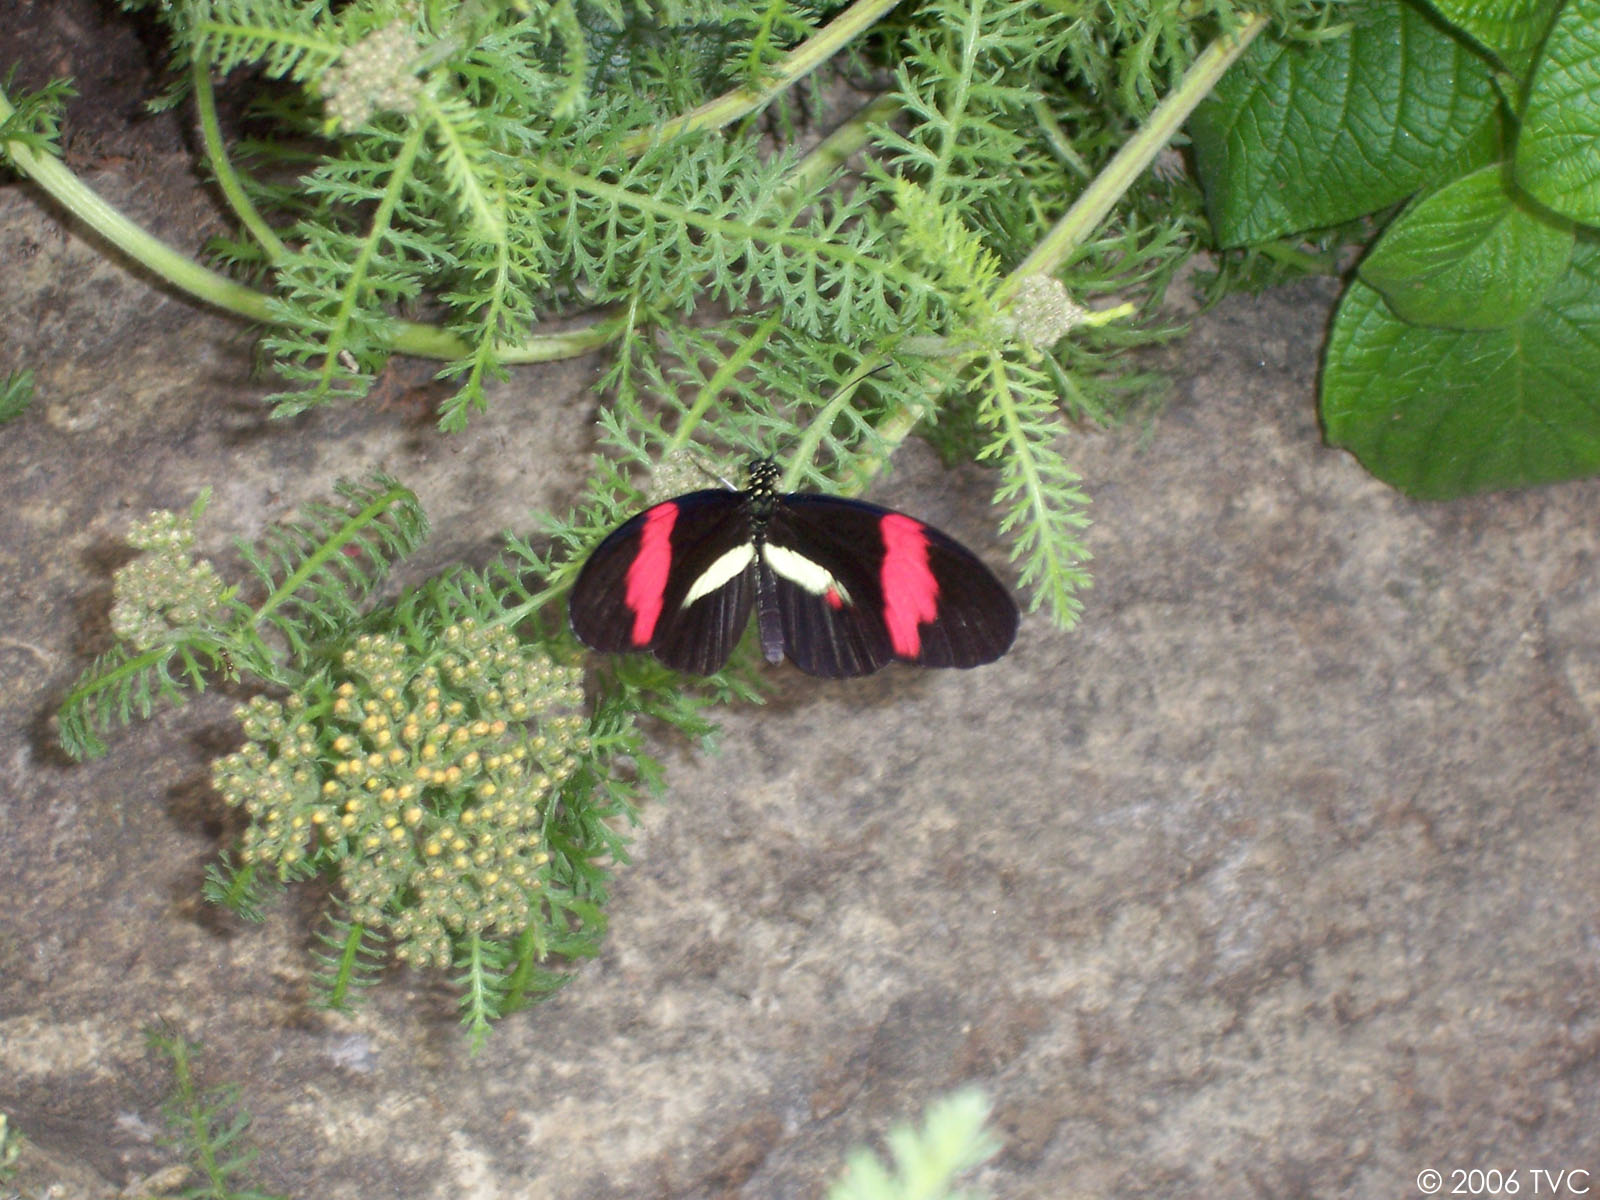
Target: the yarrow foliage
(435, 759)
(505, 166)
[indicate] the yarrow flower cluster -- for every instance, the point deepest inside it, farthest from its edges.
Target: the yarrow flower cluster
(1042, 311)
(373, 75)
(428, 781)
(165, 588)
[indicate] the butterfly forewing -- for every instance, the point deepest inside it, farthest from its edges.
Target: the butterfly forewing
(977, 619)
(631, 592)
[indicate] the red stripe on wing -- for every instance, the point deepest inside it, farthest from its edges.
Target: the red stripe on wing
(910, 592)
(647, 574)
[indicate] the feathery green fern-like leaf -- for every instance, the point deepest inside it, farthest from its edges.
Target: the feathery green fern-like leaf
(206, 1125)
(480, 980)
(317, 571)
(1039, 491)
(927, 1159)
(240, 888)
(286, 41)
(35, 117)
(354, 959)
(122, 684)
(16, 391)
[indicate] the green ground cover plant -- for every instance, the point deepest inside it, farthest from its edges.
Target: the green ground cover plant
(448, 180)
(208, 1128)
(809, 231)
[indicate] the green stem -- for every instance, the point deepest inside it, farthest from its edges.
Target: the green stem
(183, 273)
(830, 153)
(795, 66)
(130, 669)
(740, 230)
(349, 959)
(1021, 454)
(731, 366)
(818, 426)
(86, 205)
(1097, 200)
(1092, 207)
(399, 176)
(955, 99)
(550, 347)
(1060, 144)
(426, 341)
(227, 179)
(331, 547)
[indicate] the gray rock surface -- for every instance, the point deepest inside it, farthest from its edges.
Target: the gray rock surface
(1276, 877)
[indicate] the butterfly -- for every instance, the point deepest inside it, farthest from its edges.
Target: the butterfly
(840, 587)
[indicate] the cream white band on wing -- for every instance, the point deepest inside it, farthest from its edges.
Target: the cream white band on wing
(727, 566)
(805, 572)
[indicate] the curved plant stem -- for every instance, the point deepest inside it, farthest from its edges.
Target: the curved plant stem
(84, 203)
(350, 293)
(832, 151)
(731, 366)
(812, 438)
(204, 284)
(227, 179)
(433, 342)
(414, 338)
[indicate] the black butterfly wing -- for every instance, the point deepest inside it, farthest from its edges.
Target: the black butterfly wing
(820, 564)
(903, 590)
(637, 589)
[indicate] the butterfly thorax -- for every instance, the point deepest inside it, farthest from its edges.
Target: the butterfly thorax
(761, 494)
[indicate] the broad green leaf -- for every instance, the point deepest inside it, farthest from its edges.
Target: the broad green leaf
(1305, 136)
(1440, 413)
(1558, 148)
(1511, 30)
(1470, 256)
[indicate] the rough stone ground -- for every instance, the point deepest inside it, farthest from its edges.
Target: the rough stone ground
(1276, 877)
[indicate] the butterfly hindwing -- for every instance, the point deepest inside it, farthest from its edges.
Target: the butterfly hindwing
(904, 590)
(821, 560)
(637, 591)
